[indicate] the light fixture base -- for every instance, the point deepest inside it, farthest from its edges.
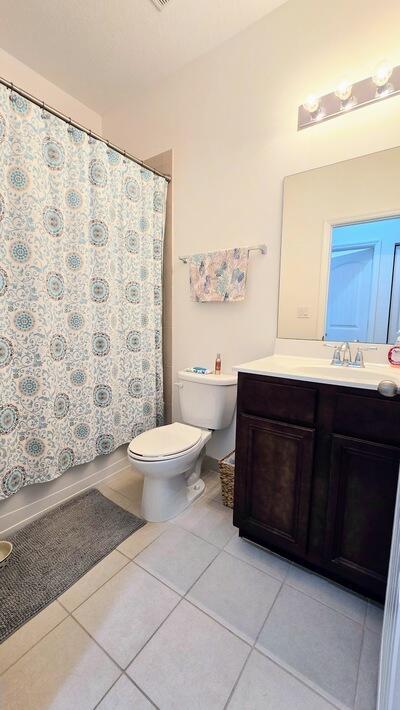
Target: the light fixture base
(363, 93)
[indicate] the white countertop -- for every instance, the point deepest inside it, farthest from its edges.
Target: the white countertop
(312, 369)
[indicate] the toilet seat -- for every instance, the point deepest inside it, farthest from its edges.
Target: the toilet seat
(165, 442)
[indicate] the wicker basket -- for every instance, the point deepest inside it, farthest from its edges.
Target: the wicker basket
(227, 475)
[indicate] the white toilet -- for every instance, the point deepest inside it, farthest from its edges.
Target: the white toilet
(170, 457)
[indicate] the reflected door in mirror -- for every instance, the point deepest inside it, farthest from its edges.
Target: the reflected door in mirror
(363, 296)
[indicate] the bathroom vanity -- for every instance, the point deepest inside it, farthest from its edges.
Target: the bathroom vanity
(317, 465)
(318, 446)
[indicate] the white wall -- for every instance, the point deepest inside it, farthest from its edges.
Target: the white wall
(25, 78)
(33, 500)
(231, 118)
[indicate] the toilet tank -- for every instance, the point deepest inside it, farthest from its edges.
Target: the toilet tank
(207, 401)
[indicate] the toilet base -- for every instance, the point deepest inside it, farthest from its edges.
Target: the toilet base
(196, 490)
(163, 500)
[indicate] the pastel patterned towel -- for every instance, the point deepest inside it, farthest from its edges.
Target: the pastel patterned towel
(219, 275)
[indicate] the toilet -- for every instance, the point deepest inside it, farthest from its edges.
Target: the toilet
(170, 456)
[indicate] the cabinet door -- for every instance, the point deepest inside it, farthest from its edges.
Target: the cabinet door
(362, 495)
(272, 482)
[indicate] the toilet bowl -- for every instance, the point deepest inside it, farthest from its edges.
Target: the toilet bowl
(170, 457)
(171, 473)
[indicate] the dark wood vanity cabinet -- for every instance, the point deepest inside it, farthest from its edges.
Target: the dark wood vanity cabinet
(316, 476)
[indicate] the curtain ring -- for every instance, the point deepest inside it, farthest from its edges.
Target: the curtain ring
(11, 91)
(69, 129)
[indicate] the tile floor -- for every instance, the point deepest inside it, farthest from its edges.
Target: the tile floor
(188, 616)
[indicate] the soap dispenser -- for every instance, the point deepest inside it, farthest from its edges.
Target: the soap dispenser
(394, 352)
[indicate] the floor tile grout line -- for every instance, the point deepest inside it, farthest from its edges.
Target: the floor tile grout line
(174, 589)
(124, 669)
(308, 683)
(151, 636)
(181, 527)
(136, 564)
(334, 584)
(359, 666)
(160, 581)
(252, 647)
(325, 604)
(249, 564)
(276, 661)
(39, 640)
(108, 690)
(71, 611)
(143, 548)
(122, 495)
(201, 573)
(122, 675)
(142, 691)
(97, 643)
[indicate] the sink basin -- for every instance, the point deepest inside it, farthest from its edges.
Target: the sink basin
(351, 374)
(319, 370)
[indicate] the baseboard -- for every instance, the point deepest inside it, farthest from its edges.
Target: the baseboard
(33, 501)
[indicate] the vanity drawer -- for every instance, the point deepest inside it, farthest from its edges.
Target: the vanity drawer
(368, 418)
(262, 397)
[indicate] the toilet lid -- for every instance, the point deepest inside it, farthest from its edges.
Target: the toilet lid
(165, 440)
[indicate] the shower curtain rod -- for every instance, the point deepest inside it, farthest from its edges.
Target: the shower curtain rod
(67, 119)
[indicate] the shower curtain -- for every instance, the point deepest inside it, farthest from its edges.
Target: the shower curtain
(81, 244)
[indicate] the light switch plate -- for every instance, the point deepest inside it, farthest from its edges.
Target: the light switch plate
(303, 312)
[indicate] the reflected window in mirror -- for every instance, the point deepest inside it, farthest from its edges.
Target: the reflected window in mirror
(364, 282)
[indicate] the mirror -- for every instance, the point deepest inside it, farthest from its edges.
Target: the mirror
(340, 261)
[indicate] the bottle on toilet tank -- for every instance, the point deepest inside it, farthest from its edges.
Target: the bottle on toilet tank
(218, 364)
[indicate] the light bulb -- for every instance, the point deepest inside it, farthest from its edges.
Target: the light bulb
(382, 73)
(311, 104)
(343, 90)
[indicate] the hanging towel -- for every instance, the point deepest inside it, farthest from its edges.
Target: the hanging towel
(219, 275)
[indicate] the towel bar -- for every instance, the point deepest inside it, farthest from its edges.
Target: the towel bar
(258, 247)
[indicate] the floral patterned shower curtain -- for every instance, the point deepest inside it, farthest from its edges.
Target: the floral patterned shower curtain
(81, 242)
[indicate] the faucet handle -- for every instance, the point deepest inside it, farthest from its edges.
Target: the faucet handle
(359, 358)
(336, 357)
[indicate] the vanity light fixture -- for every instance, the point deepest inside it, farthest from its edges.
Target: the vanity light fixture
(344, 92)
(311, 104)
(382, 73)
(381, 77)
(384, 82)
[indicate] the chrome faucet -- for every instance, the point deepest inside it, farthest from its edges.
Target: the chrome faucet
(345, 351)
(342, 356)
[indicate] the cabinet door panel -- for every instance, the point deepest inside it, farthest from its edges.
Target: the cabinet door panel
(272, 483)
(362, 494)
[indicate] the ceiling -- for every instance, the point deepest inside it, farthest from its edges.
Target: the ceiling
(101, 50)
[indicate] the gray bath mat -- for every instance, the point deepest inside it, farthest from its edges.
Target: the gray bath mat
(54, 551)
